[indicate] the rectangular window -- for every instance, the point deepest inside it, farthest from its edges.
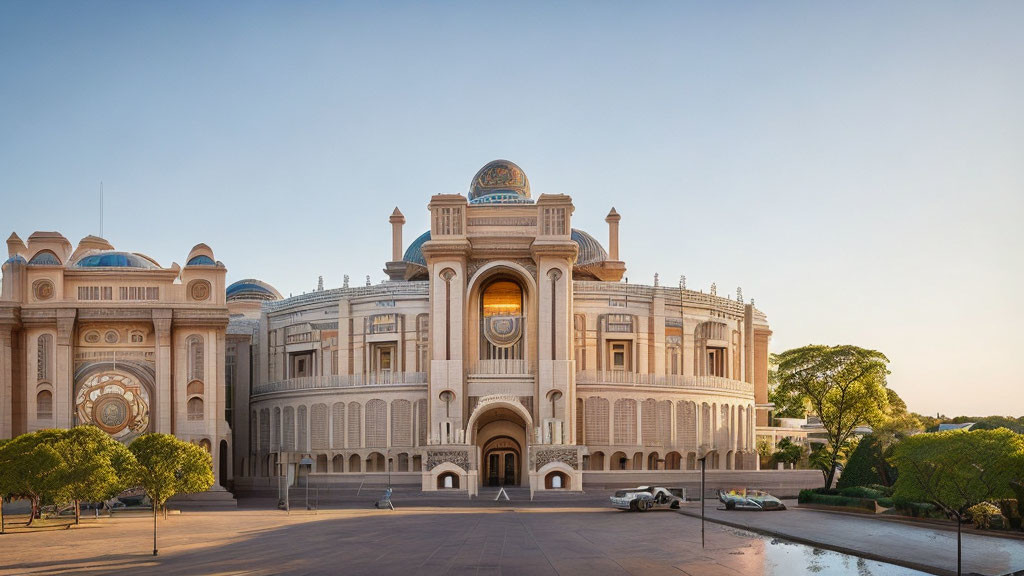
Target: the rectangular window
(138, 293)
(619, 356)
(95, 293)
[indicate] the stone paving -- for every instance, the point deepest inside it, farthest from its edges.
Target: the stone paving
(912, 545)
(564, 541)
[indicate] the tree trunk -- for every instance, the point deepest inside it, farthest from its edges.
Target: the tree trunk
(154, 529)
(33, 508)
(78, 512)
(830, 475)
(2, 528)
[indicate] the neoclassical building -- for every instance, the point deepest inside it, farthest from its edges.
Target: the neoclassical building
(89, 334)
(505, 349)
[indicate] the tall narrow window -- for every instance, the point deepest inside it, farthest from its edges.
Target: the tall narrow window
(194, 344)
(43, 355)
(44, 405)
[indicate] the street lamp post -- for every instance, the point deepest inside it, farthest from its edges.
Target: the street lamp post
(307, 461)
(703, 468)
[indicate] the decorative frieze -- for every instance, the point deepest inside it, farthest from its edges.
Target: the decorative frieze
(568, 456)
(437, 457)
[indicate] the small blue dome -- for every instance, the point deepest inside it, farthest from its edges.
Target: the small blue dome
(500, 182)
(252, 289)
(591, 251)
(115, 260)
(201, 260)
(14, 259)
(414, 253)
(44, 258)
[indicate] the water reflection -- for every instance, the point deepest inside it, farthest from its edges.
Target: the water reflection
(784, 558)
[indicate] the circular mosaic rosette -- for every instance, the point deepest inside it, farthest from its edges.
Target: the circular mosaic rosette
(116, 403)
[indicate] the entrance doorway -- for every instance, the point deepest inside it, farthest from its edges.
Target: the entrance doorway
(501, 462)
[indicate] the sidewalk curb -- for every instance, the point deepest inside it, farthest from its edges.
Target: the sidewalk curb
(816, 544)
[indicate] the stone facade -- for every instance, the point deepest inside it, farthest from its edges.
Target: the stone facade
(504, 349)
(505, 334)
(93, 335)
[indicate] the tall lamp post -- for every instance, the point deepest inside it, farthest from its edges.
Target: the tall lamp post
(703, 468)
(307, 461)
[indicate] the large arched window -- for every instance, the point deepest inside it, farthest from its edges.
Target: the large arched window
(502, 298)
(502, 325)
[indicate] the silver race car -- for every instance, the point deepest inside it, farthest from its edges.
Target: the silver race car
(744, 499)
(644, 498)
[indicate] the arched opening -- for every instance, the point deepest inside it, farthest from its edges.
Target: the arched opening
(556, 481)
(44, 405)
(222, 462)
(321, 463)
(417, 463)
(597, 460)
(403, 462)
(619, 461)
(448, 480)
(673, 461)
(355, 464)
(195, 408)
(500, 428)
(338, 464)
(653, 459)
(638, 461)
(691, 461)
(375, 462)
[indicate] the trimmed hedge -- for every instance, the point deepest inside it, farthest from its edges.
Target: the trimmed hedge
(861, 492)
(815, 497)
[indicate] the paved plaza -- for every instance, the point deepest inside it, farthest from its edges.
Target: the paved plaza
(564, 541)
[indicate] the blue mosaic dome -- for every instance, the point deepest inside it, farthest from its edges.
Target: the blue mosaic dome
(14, 259)
(201, 260)
(414, 253)
(591, 251)
(115, 260)
(500, 182)
(252, 289)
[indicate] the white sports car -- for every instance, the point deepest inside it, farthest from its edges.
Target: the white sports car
(644, 498)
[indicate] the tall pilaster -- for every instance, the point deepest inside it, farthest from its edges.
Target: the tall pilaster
(63, 398)
(162, 352)
(6, 382)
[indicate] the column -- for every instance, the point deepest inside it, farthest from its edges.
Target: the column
(6, 383)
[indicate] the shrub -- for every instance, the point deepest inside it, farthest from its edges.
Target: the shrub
(816, 497)
(886, 502)
(885, 490)
(912, 508)
(861, 492)
(984, 515)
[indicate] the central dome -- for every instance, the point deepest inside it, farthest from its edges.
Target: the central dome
(500, 182)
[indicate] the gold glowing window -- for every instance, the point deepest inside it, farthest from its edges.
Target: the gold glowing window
(503, 298)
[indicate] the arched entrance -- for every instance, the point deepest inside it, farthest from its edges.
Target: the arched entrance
(501, 462)
(499, 427)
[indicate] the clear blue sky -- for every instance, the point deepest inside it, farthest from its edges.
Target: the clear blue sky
(858, 168)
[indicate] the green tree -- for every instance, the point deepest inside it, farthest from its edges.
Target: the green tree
(165, 466)
(957, 469)
(94, 466)
(29, 468)
(787, 452)
(788, 403)
(844, 386)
